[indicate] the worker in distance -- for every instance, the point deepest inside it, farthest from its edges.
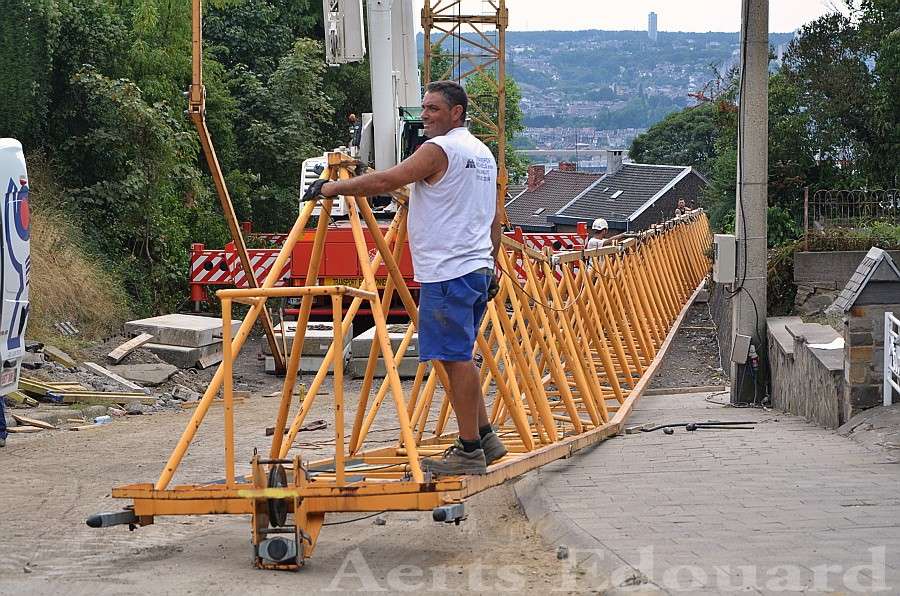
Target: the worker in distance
(454, 236)
(599, 231)
(600, 235)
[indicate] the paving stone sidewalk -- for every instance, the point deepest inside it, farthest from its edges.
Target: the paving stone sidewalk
(787, 507)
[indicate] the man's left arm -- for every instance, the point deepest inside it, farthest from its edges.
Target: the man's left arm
(496, 233)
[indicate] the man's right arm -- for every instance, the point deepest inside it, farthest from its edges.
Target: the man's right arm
(429, 159)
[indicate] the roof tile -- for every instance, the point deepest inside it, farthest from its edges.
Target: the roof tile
(875, 260)
(557, 189)
(638, 183)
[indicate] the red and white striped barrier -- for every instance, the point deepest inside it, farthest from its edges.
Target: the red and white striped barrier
(208, 268)
(223, 267)
(261, 261)
(567, 240)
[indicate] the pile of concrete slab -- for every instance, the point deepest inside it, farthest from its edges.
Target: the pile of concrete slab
(186, 341)
(316, 343)
(362, 343)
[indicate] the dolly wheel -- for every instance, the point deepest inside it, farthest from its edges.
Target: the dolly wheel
(278, 508)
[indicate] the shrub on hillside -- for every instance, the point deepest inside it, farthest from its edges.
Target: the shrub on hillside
(68, 283)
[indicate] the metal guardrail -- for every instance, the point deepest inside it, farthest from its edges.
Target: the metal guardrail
(860, 208)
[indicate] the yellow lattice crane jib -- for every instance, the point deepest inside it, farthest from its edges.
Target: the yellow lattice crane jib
(567, 347)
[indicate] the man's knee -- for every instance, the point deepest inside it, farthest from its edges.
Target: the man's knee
(452, 366)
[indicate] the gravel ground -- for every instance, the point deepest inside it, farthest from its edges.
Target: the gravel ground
(693, 357)
(51, 481)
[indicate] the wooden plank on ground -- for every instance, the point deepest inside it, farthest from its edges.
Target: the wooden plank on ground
(21, 399)
(216, 402)
(103, 372)
(67, 386)
(34, 386)
(57, 355)
(24, 429)
(132, 394)
(101, 398)
(128, 347)
(32, 422)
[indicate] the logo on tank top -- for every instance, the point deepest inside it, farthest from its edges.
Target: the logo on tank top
(485, 169)
(470, 164)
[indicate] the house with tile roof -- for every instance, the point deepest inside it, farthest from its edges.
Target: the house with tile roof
(629, 196)
(632, 196)
(513, 190)
(544, 194)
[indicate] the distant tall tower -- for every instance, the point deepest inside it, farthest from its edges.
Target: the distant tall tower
(651, 26)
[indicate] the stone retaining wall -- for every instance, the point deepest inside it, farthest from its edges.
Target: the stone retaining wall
(864, 356)
(820, 276)
(806, 381)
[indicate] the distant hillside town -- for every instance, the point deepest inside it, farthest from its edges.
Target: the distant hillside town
(597, 89)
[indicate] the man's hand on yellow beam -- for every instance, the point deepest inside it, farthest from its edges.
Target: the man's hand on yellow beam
(314, 190)
(429, 162)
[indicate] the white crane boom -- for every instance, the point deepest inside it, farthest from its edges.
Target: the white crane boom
(393, 62)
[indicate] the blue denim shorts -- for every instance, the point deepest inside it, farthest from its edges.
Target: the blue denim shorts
(450, 313)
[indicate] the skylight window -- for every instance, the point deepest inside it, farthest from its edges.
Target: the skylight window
(539, 210)
(617, 194)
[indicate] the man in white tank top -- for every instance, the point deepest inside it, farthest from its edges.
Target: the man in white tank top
(454, 235)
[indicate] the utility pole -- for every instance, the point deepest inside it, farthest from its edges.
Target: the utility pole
(749, 299)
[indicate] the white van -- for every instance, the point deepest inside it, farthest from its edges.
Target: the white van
(16, 257)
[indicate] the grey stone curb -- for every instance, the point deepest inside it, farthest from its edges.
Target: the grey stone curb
(557, 529)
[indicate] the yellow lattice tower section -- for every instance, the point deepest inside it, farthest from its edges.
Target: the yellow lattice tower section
(477, 31)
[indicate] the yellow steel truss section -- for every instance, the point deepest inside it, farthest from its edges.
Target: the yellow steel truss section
(566, 348)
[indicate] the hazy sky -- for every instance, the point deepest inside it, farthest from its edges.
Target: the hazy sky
(673, 15)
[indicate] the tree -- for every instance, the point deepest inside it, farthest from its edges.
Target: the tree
(441, 65)
(791, 159)
(97, 85)
(482, 91)
(792, 164)
(28, 35)
(846, 68)
(135, 198)
(349, 92)
(280, 123)
(685, 138)
(720, 194)
(90, 32)
(879, 25)
(257, 34)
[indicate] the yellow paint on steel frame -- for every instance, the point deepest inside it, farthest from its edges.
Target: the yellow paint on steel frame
(565, 352)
